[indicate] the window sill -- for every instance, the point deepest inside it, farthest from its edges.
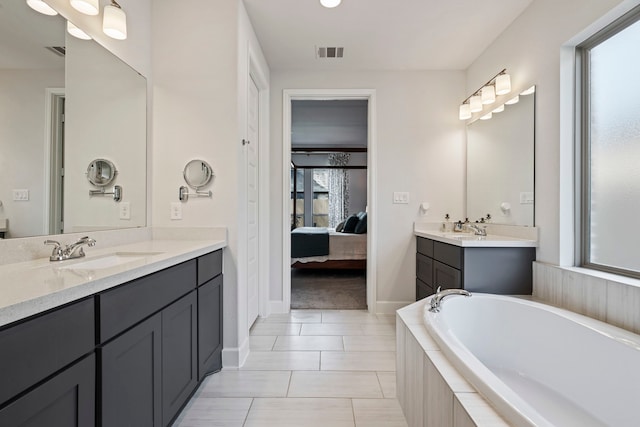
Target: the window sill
(611, 277)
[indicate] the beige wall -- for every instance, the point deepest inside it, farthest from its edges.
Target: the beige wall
(420, 149)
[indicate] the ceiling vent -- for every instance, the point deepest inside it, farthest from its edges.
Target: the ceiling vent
(58, 50)
(329, 52)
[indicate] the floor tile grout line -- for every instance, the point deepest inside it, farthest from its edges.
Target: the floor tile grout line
(289, 384)
(246, 417)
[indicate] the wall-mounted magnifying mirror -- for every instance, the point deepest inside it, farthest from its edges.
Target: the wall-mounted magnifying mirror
(101, 172)
(197, 174)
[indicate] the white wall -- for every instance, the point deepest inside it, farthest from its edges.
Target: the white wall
(420, 149)
(22, 135)
(545, 26)
(200, 72)
(106, 118)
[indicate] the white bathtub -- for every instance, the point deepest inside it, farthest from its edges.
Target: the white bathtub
(539, 365)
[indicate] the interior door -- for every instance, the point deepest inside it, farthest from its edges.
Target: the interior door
(253, 147)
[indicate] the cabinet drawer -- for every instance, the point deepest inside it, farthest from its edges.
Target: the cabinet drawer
(209, 266)
(424, 269)
(446, 277)
(448, 254)
(36, 348)
(132, 302)
(425, 246)
(422, 290)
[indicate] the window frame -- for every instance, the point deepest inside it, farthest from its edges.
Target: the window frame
(583, 143)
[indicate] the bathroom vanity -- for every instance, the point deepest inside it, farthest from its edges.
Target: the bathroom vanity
(128, 345)
(492, 264)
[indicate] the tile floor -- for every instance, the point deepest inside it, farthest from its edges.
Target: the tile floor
(307, 368)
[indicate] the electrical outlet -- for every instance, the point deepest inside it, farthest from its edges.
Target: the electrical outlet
(176, 210)
(125, 210)
(20, 195)
(400, 197)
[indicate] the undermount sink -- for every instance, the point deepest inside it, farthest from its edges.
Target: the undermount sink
(462, 236)
(107, 261)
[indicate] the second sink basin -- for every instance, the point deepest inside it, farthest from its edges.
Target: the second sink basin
(108, 261)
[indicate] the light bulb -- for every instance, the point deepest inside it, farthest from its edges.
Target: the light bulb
(486, 116)
(114, 23)
(330, 3)
(475, 103)
(42, 7)
(488, 95)
(465, 112)
(503, 84)
(500, 109)
(77, 32)
(513, 100)
(88, 7)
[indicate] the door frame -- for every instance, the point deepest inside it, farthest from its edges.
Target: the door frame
(52, 95)
(372, 225)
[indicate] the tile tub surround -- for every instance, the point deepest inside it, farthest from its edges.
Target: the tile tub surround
(37, 285)
(430, 390)
(343, 375)
(497, 235)
(603, 296)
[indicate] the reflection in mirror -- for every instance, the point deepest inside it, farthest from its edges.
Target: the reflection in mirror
(500, 165)
(197, 173)
(46, 75)
(101, 172)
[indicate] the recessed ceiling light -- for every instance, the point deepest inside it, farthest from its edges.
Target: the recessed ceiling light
(330, 3)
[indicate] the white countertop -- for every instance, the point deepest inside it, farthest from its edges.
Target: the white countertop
(31, 287)
(470, 240)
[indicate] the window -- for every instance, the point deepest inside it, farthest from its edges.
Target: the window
(610, 148)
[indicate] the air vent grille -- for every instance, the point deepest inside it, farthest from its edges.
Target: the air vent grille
(329, 52)
(58, 50)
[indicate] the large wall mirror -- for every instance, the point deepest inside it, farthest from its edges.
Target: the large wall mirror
(65, 102)
(500, 164)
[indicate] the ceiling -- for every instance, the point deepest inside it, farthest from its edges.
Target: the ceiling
(380, 34)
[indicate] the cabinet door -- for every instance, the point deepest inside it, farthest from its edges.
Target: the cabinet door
(210, 327)
(446, 277)
(422, 290)
(66, 400)
(179, 355)
(131, 375)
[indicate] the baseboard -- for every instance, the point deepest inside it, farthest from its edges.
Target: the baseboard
(390, 307)
(236, 356)
(278, 307)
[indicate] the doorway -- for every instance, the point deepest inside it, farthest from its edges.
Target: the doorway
(367, 98)
(54, 162)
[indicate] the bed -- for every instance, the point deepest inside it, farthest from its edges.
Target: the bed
(317, 247)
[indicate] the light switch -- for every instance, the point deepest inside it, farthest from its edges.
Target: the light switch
(176, 210)
(526, 198)
(400, 197)
(125, 210)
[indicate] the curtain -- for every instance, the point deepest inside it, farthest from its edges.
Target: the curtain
(338, 189)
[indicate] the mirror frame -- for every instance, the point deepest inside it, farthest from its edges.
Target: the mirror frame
(206, 179)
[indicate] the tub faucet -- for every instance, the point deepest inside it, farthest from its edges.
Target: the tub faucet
(71, 251)
(436, 300)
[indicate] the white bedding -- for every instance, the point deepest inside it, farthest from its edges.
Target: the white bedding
(342, 246)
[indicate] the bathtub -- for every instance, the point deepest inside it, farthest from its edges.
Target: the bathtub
(539, 365)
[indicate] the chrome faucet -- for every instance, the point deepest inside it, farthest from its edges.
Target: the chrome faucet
(477, 230)
(71, 251)
(436, 300)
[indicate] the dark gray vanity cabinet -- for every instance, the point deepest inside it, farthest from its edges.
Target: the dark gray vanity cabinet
(210, 288)
(43, 381)
(497, 270)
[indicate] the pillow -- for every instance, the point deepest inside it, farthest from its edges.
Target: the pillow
(361, 215)
(339, 227)
(361, 227)
(350, 224)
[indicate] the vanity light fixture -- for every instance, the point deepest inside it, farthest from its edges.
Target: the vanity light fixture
(499, 109)
(529, 91)
(77, 32)
(114, 23)
(330, 3)
(486, 116)
(513, 100)
(500, 84)
(87, 7)
(42, 7)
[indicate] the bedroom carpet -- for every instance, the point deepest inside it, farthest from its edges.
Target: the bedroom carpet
(328, 290)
